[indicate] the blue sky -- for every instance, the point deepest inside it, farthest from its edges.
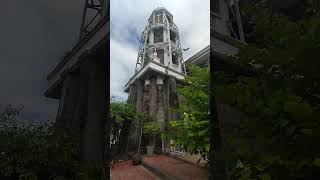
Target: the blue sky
(128, 18)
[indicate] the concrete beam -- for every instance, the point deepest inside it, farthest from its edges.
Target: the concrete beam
(91, 43)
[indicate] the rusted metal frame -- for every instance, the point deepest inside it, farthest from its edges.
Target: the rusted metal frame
(89, 5)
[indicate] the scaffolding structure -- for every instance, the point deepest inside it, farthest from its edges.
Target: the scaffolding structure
(226, 13)
(160, 19)
(94, 10)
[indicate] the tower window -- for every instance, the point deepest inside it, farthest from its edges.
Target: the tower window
(173, 36)
(158, 18)
(169, 19)
(160, 55)
(158, 35)
(175, 59)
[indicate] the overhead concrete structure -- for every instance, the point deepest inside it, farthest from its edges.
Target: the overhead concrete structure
(79, 82)
(226, 34)
(226, 28)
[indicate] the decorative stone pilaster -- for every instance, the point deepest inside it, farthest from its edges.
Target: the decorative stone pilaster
(69, 92)
(153, 98)
(173, 99)
(132, 94)
(93, 131)
(146, 90)
(160, 103)
(139, 102)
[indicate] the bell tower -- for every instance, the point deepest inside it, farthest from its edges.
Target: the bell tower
(159, 68)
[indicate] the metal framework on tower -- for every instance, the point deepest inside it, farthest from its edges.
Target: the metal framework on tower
(160, 42)
(93, 11)
(227, 12)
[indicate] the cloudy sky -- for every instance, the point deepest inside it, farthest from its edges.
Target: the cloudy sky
(129, 18)
(34, 34)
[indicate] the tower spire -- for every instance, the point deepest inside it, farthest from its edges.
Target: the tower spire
(158, 2)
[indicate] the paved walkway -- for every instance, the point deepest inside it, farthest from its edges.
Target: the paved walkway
(176, 168)
(126, 171)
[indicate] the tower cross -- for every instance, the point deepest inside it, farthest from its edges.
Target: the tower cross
(158, 2)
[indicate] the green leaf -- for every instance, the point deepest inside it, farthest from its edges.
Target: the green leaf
(316, 162)
(265, 177)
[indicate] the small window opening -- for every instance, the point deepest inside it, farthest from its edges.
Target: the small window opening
(158, 18)
(158, 35)
(173, 36)
(160, 55)
(169, 19)
(175, 59)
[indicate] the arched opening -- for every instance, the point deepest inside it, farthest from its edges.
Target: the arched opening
(160, 55)
(175, 59)
(173, 36)
(169, 19)
(158, 34)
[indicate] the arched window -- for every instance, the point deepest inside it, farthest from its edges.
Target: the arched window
(169, 19)
(175, 59)
(158, 34)
(173, 36)
(160, 55)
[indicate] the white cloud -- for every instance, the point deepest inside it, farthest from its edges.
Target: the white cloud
(128, 19)
(121, 67)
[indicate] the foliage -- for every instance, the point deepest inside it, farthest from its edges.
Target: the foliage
(121, 110)
(192, 130)
(278, 139)
(151, 128)
(33, 152)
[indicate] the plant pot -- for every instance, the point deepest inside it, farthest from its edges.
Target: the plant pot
(150, 150)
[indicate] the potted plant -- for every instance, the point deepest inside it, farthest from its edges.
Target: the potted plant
(152, 129)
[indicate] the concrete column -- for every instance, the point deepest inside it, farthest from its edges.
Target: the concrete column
(92, 147)
(81, 107)
(153, 98)
(166, 99)
(72, 101)
(146, 90)
(132, 94)
(139, 102)
(160, 103)
(151, 37)
(173, 99)
(69, 92)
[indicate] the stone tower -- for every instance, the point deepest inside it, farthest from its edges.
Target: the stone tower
(159, 68)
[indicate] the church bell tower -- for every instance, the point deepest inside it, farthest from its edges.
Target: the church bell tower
(159, 68)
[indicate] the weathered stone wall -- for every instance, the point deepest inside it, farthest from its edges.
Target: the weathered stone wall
(156, 96)
(83, 105)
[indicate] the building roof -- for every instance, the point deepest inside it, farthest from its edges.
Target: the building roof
(200, 58)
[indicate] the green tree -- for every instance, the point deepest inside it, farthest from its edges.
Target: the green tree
(278, 139)
(192, 131)
(30, 151)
